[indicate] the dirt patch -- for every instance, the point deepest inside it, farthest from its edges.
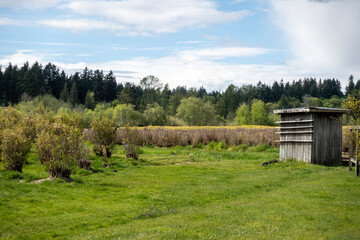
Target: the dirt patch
(41, 180)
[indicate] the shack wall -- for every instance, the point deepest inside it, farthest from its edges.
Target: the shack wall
(296, 137)
(327, 139)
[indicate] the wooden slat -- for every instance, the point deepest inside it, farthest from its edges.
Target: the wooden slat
(296, 121)
(299, 132)
(294, 141)
(298, 127)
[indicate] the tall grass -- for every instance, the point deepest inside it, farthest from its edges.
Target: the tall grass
(170, 136)
(232, 135)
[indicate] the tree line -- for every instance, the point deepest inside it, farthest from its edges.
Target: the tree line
(90, 87)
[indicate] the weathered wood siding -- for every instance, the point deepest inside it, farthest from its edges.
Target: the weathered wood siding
(296, 137)
(327, 145)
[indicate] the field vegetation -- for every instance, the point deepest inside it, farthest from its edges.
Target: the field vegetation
(209, 192)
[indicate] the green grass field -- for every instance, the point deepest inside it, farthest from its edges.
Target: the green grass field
(183, 193)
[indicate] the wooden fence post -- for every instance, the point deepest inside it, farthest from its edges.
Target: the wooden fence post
(352, 148)
(357, 167)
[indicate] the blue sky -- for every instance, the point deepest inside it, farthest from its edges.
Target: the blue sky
(191, 43)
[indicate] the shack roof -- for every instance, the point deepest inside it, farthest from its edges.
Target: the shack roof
(310, 110)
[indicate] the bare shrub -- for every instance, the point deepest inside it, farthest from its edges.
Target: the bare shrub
(131, 142)
(81, 158)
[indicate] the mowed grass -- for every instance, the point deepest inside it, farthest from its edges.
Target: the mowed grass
(183, 193)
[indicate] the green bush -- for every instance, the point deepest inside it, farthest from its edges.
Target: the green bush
(59, 145)
(221, 145)
(14, 148)
(103, 136)
(155, 115)
(51, 148)
(211, 146)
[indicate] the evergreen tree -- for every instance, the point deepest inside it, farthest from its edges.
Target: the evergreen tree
(174, 101)
(202, 92)
(110, 87)
(34, 82)
(276, 92)
(11, 84)
(357, 86)
(85, 84)
(284, 102)
(314, 90)
(98, 86)
(232, 99)
(298, 90)
(51, 75)
(128, 94)
(64, 95)
(73, 96)
(165, 97)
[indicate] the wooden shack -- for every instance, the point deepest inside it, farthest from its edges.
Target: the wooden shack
(311, 134)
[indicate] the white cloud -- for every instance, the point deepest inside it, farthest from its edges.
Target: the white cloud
(29, 4)
(212, 75)
(222, 52)
(143, 17)
(22, 56)
(324, 35)
(9, 21)
(81, 24)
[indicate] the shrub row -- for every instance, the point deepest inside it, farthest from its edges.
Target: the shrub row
(58, 141)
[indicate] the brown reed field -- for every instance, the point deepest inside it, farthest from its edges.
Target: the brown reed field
(250, 135)
(182, 136)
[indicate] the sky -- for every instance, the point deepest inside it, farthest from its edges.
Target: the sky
(192, 43)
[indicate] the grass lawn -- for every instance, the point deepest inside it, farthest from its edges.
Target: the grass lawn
(183, 193)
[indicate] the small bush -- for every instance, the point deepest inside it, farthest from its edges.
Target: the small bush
(14, 148)
(221, 145)
(60, 145)
(81, 157)
(211, 146)
(52, 152)
(131, 142)
(103, 136)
